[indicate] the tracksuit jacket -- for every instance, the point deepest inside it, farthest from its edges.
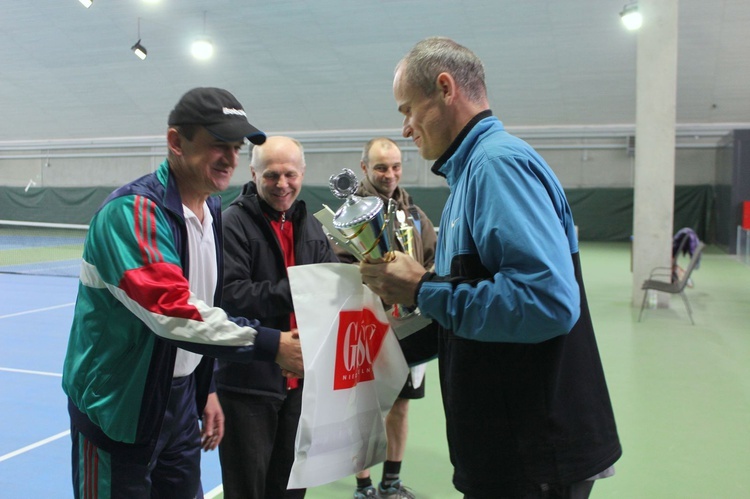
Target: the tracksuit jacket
(523, 386)
(134, 308)
(256, 282)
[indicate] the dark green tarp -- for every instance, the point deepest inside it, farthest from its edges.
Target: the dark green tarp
(602, 214)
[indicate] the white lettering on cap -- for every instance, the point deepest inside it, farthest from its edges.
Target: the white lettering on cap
(231, 110)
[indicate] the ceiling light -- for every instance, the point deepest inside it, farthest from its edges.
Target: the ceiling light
(631, 18)
(203, 48)
(138, 49)
(86, 3)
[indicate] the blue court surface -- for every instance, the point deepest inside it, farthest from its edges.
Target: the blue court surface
(35, 317)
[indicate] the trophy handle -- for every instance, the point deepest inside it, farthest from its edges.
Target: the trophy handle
(385, 230)
(390, 222)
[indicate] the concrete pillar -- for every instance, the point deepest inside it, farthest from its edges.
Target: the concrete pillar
(656, 81)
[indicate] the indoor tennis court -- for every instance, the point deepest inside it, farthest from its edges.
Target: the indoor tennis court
(681, 393)
(639, 108)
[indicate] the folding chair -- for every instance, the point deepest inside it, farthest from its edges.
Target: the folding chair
(671, 286)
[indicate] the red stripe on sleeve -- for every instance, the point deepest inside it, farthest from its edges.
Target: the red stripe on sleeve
(144, 214)
(139, 229)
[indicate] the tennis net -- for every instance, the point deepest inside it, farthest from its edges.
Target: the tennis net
(39, 248)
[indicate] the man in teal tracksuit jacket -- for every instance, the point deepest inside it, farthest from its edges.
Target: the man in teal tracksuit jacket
(135, 387)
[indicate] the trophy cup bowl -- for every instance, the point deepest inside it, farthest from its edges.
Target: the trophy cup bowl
(366, 227)
(363, 221)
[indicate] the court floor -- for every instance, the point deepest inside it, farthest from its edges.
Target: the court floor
(681, 393)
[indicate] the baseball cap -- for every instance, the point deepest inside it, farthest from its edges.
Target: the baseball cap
(218, 111)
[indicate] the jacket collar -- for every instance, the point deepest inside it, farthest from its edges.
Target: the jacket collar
(172, 200)
(460, 146)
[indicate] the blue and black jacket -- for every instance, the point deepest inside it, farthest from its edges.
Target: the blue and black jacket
(522, 382)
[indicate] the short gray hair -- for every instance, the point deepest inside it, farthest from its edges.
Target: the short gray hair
(437, 54)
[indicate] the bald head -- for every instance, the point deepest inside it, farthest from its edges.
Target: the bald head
(381, 163)
(278, 168)
(275, 147)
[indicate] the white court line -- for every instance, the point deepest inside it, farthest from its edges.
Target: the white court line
(36, 310)
(215, 492)
(34, 445)
(26, 371)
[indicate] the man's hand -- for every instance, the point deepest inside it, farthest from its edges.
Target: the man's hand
(395, 281)
(289, 357)
(212, 430)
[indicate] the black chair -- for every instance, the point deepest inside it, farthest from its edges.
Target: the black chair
(672, 285)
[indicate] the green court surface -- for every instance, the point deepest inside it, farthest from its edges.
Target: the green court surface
(681, 392)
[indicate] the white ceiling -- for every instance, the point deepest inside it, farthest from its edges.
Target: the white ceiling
(320, 65)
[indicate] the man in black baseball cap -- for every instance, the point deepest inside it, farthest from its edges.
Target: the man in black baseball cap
(147, 327)
(218, 111)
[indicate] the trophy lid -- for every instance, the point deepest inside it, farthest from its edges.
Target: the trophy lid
(356, 211)
(343, 184)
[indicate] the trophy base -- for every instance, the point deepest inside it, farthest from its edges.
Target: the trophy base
(406, 324)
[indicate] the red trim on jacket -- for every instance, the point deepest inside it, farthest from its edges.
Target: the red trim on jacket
(161, 289)
(144, 221)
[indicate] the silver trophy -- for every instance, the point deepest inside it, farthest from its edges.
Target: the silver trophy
(365, 224)
(366, 228)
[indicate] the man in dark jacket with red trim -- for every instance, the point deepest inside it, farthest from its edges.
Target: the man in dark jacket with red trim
(266, 230)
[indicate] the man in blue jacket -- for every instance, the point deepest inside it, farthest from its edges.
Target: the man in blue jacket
(528, 413)
(266, 230)
(138, 369)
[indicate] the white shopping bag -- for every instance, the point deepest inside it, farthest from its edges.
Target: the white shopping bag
(354, 370)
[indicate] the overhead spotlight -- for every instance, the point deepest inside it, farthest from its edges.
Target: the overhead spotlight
(203, 47)
(138, 49)
(631, 18)
(86, 3)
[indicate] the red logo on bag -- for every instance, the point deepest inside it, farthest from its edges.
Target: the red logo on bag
(359, 340)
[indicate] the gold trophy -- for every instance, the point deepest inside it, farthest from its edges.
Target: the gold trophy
(404, 235)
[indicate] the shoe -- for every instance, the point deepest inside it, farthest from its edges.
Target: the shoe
(395, 491)
(365, 493)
